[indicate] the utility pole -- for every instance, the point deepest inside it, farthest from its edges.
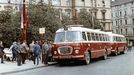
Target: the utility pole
(74, 15)
(24, 20)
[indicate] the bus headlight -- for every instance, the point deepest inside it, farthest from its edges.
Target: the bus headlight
(55, 52)
(77, 51)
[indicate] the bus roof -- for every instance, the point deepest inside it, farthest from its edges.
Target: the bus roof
(113, 34)
(78, 28)
(81, 29)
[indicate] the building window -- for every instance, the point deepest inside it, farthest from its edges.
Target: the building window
(95, 14)
(9, 1)
(133, 21)
(133, 11)
(120, 13)
(116, 31)
(125, 13)
(116, 23)
(125, 22)
(103, 16)
(103, 3)
(126, 31)
(133, 31)
(125, 5)
(82, 0)
(121, 31)
(120, 22)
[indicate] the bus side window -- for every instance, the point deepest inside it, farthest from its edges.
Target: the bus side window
(89, 36)
(84, 36)
(107, 37)
(100, 37)
(93, 36)
(97, 37)
(103, 37)
(114, 39)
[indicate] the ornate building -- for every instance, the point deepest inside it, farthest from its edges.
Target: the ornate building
(123, 18)
(100, 9)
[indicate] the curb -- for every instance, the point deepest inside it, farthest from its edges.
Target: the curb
(11, 72)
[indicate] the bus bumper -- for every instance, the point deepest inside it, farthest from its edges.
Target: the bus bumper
(68, 57)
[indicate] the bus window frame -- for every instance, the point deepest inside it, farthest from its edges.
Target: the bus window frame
(89, 36)
(85, 36)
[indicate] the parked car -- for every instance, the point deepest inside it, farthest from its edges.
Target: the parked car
(8, 53)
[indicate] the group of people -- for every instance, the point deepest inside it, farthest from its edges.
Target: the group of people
(36, 51)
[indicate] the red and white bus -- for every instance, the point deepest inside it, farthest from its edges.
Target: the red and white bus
(79, 43)
(118, 43)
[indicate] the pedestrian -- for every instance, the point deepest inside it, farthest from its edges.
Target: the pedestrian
(24, 51)
(42, 53)
(14, 51)
(37, 51)
(31, 50)
(17, 50)
(1, 52)
(45, 49)
(50, 53)
(130, 46)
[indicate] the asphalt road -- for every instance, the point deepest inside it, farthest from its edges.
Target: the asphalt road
(115, 65)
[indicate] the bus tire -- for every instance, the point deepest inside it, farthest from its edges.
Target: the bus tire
(116, 52)
(87, 58)
(105, 55)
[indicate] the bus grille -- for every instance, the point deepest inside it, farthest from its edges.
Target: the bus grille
(65, 50)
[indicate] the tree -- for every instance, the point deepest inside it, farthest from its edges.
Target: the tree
(9, 26)
(66, 20)
(43, 15)
(86, 19)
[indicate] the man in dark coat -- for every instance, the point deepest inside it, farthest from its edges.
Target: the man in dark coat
(24, 51)
(16, 48)
(45, 49)
(37, 51)
(14, 51)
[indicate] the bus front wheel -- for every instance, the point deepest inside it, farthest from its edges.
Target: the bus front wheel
(87, 58)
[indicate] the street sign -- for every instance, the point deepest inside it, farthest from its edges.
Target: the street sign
(41, 30)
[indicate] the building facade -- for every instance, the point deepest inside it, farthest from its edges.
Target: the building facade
(10, 4)
(100, 9)
(123, 18)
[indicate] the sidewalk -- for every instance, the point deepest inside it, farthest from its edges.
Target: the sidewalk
(11, 67)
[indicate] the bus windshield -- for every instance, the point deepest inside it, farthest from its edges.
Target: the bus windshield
(67, 36)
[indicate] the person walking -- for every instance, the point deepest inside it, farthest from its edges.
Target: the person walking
(31, 50)
(24, 51)
(16, 48)
(1, 52)
(50, 49)
(45, 49)
(37, 51)
(130, 45)
(14, 51)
